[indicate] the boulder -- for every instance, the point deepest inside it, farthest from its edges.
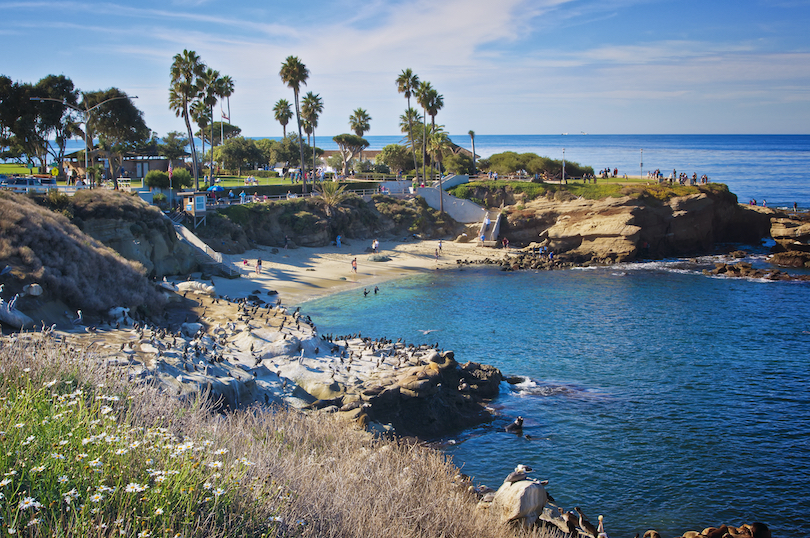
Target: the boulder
(520, 501)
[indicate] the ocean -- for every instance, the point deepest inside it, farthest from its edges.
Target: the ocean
(653, 394)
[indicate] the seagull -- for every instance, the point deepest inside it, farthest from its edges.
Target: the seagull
(520, 473)
(79, 318)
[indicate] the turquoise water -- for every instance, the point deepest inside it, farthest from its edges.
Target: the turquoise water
(655, 395)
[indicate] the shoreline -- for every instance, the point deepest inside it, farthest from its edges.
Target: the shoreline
(303, 274)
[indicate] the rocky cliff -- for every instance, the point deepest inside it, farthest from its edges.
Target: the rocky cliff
(624, 228)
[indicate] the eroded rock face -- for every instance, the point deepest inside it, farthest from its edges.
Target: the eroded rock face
(623, 229)
(792, 234)
(156, 248)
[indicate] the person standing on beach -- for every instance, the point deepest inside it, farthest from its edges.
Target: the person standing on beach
(795, 207)
(354, 266)
(440, 246)
(437, 255)
(259, 266)
(286, 241)
(337, 241)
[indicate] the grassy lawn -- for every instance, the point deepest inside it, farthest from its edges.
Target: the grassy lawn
(13, 168)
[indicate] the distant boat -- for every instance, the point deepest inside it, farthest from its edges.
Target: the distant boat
(583, 132)
(564, 134)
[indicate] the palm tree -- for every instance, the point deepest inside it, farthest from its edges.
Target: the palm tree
(406, 123)
(407, 83)
(359, 123)
(312, 106)
(438, 142)
(294, 73)
(423, 93)
(472, 140)
(332, 194)
(213, 88)
(283, 113)
(185, 70)
(199, 113)
(227, 91)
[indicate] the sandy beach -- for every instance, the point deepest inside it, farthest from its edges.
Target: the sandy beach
(302, 274)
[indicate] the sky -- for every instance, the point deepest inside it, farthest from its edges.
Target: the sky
(502, 66)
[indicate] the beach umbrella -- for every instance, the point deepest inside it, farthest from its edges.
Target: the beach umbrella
(216, 188)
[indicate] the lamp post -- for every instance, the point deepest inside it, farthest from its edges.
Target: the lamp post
(563, 170)
(86, 112)
(641, 166)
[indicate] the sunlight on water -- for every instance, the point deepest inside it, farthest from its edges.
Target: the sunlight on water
(651, 393)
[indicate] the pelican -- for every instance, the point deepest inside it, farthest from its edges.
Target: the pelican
(601, 527)
(586, 526)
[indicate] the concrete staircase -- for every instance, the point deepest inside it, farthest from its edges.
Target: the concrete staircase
(209, 259)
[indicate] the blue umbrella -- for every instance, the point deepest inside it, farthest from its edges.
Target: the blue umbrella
(216, 188)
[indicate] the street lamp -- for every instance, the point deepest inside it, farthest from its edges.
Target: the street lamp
(86, 112)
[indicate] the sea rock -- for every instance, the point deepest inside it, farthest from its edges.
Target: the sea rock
(33, 290)
(196, 287)
(792, 234)
(521, 501)
(625, 228)
(791, 258)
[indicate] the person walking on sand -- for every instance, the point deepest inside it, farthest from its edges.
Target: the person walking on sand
(440, 246)
(259, 266)
(437, 255)
(286, 241)
(354, 266)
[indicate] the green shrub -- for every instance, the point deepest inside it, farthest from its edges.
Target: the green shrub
(157, 178)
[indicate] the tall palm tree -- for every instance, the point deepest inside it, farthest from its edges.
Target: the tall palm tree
(227, 91)
(472, 140)
(283, 114)
(312, 106)
(294, 73)
(435, 102)
(185, 70)
(423, 93)
(199, 113)
(359, 123)
(213, 88)
(438, 142)
(406, 125)
(407, 83)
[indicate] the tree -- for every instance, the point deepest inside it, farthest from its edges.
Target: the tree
(201, 116)
(423, 93)
(332, 194)
(407, 83)
(472, 141)
(294, 73)
(282, 111)
(118, 124)
(173, 146)
(311, 109)
(59, 121)
(219, 129)
(213, 87)
(349, 146)
(359, 123)
(395, 156)
(240, 152)
(227, 91)
(438, 143)
(185, 71)
(459, 163)
(406, 125)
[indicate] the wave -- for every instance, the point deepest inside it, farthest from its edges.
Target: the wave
(532, 387)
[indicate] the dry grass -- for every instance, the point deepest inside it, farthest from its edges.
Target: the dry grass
(310, 475)
(44, 247)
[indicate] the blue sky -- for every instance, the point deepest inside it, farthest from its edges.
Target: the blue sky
(503, 66)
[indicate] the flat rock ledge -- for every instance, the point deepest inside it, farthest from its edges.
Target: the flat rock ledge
(247, 352)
